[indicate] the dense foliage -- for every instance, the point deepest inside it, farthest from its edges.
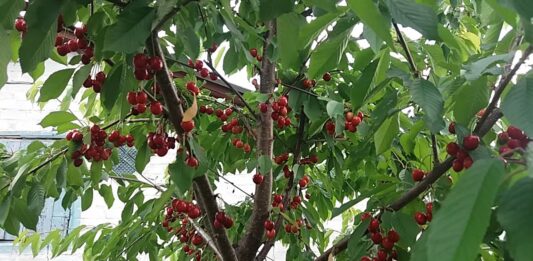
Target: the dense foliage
(432, 131)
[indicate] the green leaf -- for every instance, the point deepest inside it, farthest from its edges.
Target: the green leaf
(335, 108)
(4, 209)
(386, 133)
(41, 20)
(87, 199)
(362, 86)
(9, 11)
(288, 26)
(523, 7)
(143, 157)
(327, 55)
(112, 86)
(190, 40)
(369, 13)
(328, 5)
(311, 30)
(313, 108)
(35, 198)
(469, 99)
(459, 226)
(27, 217)
(107, 193)
(57, 118)
(181, 174)
(356, 245)
(476, 69)
(514, 214)
(425, 94)
(5, 54)
(131, 30)
(270, 9)
(517, 105)
(417, 16)
(54, 85)
(265, 164)
(79, 77)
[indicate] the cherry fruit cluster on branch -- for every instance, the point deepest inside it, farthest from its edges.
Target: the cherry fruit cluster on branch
(256, 55)
(280, 111)
(203, 71)
(160, 143)
(179, 212)
(422, 218)
(145, 66)
(97, 149)
(510, 140)
(460, 153)
(222, 220)
(351, 121)
(384, 241)
(96, 83)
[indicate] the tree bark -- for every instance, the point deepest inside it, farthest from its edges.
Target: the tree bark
(250, 243)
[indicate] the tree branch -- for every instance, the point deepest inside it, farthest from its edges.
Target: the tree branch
(251, 241)
(408, 55)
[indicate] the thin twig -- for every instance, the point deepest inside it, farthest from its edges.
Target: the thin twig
(206, 236)
(408, 55)
(435, 150)
(213, 69)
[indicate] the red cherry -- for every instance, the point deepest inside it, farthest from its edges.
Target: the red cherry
(271, 234)
(457, 165)
(503, 137)
(82, 44)
(156, 108)
(139, 61)
(78, 162)
(140, 108)
(515, 133)
(247, 148)
(259, 58)
(204, 72)
(100, 77)
(278, 198)
(451, 127)
(269, 225)
(77, 137)
(365, 258)
(59, 41)
(326, 77)
(20, 25)
(142, 97)
(198, 65)
(374, 225)
(283, 101)
(513, 143)
(187, 126)
(228, 111)
(258, 178)
(467, 162)
(89, 52)
(381, 255)
(461, 154)
(228, 222)
(302, 183)
(429, 207)
(156, 64)
(73, 45)
(194, 212)
(192, 162)
(132, 98)
(63, 50)
(141, 74)
(80, 31)
(470, 142)
(387, 243)
(417, 175)
(197, 239)
(308, 84)
(452, 148)
(85, 59)
(393, 236)
(420, 218)
(376, 237)
(365, 216)
(253, 52)
(239, 144)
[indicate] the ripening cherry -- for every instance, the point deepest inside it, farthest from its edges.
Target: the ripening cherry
(283, 101)
(156, 108)
(374, 225)
(253, 52)
(457, 165)
(187, 126)
(451, 127)
(141, 74)
(204, 72)
(467, 162)
(73, 45)
(418, 175)
(387, 243)
(515, 133)
(194, 212)
(247, 148)
(139, 61)
(420, 218)
(271, 234)
(80, 31)
(156, 63)
(268, 224)
(63, 50)
(20, 25)
(302, 183)
(326, 77)
(140, 108)
(393, 236)
(308, 84)
(376, 237)
(365, 258)
(78, 162)
(258, 178)
(452, 148)
(132, 98)
(503, 137)
(470, 142)
(100, 77)
(192, 162)
(82, 43)
(381, 255)
(197, 239)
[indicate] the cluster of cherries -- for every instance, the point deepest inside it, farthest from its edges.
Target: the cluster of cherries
(203, 71)
(462, 158)
(270, 231)
(146, 66)
(295, 228)
(64, 45)
(160, 143)
(222, 220)
(138, 100)
(351, 121)
(191, 86)
(96, 149)
(207, 110)
(308, 84)
(97, 83)
(280, 110)
(313, 159)
(239, 144)
(282, 158)
(182, 210)
(304, 181)
(385, 242)
(418, 175)
(287, 172)
(512, 139)
(422, 218)
(255, 54)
